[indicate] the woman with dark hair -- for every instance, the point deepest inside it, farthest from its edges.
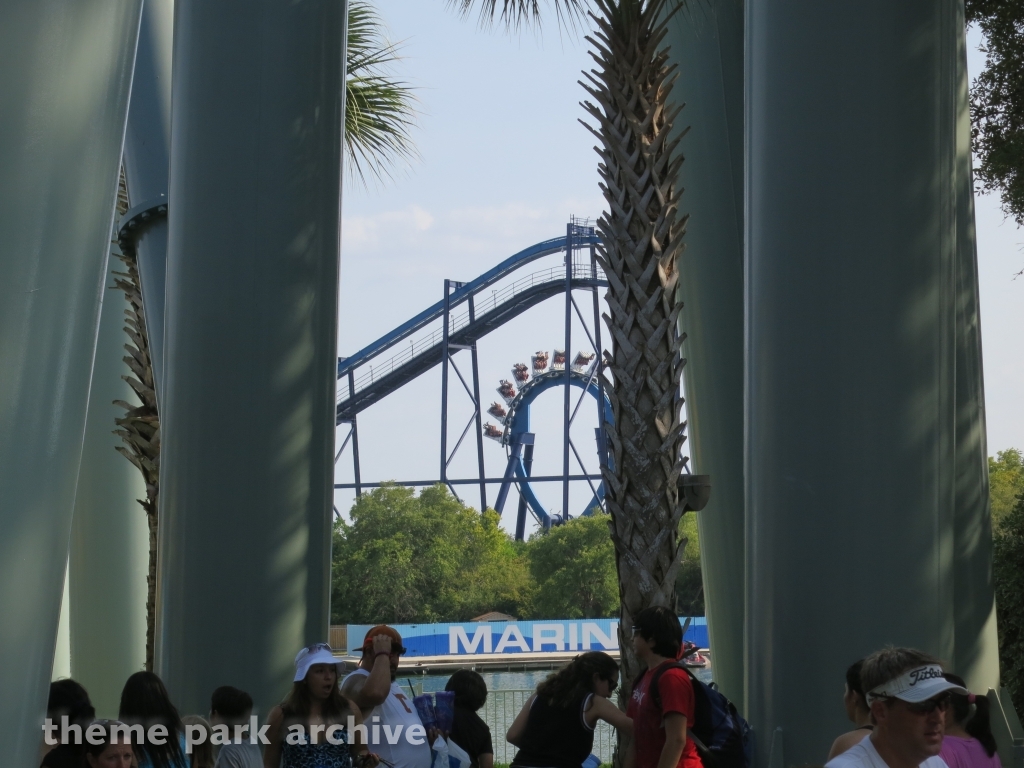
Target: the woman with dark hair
(968, 742)
(111, 752)
(555, 728)
(144, 701)
(857, 710)
(468, 730)
(317, 707)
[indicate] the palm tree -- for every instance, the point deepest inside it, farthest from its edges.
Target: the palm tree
(379, 110)
(379, 115)
(139, 428)
(642, 233)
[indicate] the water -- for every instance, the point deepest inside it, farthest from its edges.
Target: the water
(507, 694)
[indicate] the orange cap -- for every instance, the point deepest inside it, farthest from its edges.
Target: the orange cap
(382, 629)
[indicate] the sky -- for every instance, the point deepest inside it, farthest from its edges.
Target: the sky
(503, 164)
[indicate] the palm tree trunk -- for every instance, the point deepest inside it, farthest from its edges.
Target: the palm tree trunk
(139, 428)
(642, 239)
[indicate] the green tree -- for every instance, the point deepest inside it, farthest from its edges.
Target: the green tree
(1006, 480)
(409, 558)
(1008, 578)
(573, 566)
(690, 581)
(997, 102)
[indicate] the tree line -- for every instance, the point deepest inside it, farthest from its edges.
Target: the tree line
(1006, 490)
(408, 558)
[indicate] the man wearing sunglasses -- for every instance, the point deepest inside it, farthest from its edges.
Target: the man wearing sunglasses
(395, 731)
(908, 696)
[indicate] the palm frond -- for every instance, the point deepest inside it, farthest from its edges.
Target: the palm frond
(515, 14)
(379, 109)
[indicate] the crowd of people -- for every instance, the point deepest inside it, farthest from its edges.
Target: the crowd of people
(907, 713)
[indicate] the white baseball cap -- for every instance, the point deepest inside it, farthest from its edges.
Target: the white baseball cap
(318, 653)
(914, 685)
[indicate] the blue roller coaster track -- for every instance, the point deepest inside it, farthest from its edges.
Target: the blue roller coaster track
(468, 312)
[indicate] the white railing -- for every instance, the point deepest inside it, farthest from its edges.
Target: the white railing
(481, 305)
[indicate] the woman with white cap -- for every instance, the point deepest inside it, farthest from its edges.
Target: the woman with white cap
(310, 728)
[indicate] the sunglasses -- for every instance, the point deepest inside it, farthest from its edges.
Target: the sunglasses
(940, 703)
(318, 647)
(612, 685)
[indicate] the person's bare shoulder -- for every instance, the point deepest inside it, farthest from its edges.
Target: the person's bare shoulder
(353, 684)
(847, 741)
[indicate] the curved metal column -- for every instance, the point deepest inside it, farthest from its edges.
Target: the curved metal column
(851, 251)
(250, 351)
(976, 655)
(109, 535)
(147, 142)
(707, 45)
(65, 76)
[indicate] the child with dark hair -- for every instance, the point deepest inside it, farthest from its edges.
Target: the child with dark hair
(968, 742)
(67, 699)
(232, 708)
(145, 702)
(469, 731)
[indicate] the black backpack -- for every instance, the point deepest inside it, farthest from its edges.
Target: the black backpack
(721, 736)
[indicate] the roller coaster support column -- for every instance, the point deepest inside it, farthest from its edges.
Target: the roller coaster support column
(65, 78)
(479, 415)
(851, 329)
(602, 458)
(251, 325)
(521, 516)
(707, 46)
(568, 371)
(445, 360)
(146, 147)
(355, 439)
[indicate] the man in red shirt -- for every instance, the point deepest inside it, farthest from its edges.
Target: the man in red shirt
(659, 733)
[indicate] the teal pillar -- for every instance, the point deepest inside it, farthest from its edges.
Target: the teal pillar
(707, 45)
(65, 75)
(851, 400)
(109, 556)
(976, 653)
(250, 344)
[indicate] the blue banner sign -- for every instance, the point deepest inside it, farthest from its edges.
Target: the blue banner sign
(502, 637)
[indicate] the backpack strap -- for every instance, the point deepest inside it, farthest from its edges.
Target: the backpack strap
(658, 672)
(652, 690)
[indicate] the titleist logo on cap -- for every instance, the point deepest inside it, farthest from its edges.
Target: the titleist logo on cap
(924, 673)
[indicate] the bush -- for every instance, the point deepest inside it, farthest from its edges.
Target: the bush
(1008, 578)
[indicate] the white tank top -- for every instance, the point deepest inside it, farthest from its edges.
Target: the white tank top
(382, 728)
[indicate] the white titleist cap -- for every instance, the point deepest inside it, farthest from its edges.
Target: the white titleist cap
(320, 653)
(914, 685)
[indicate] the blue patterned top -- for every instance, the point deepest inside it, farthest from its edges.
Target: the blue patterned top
(320, 755)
